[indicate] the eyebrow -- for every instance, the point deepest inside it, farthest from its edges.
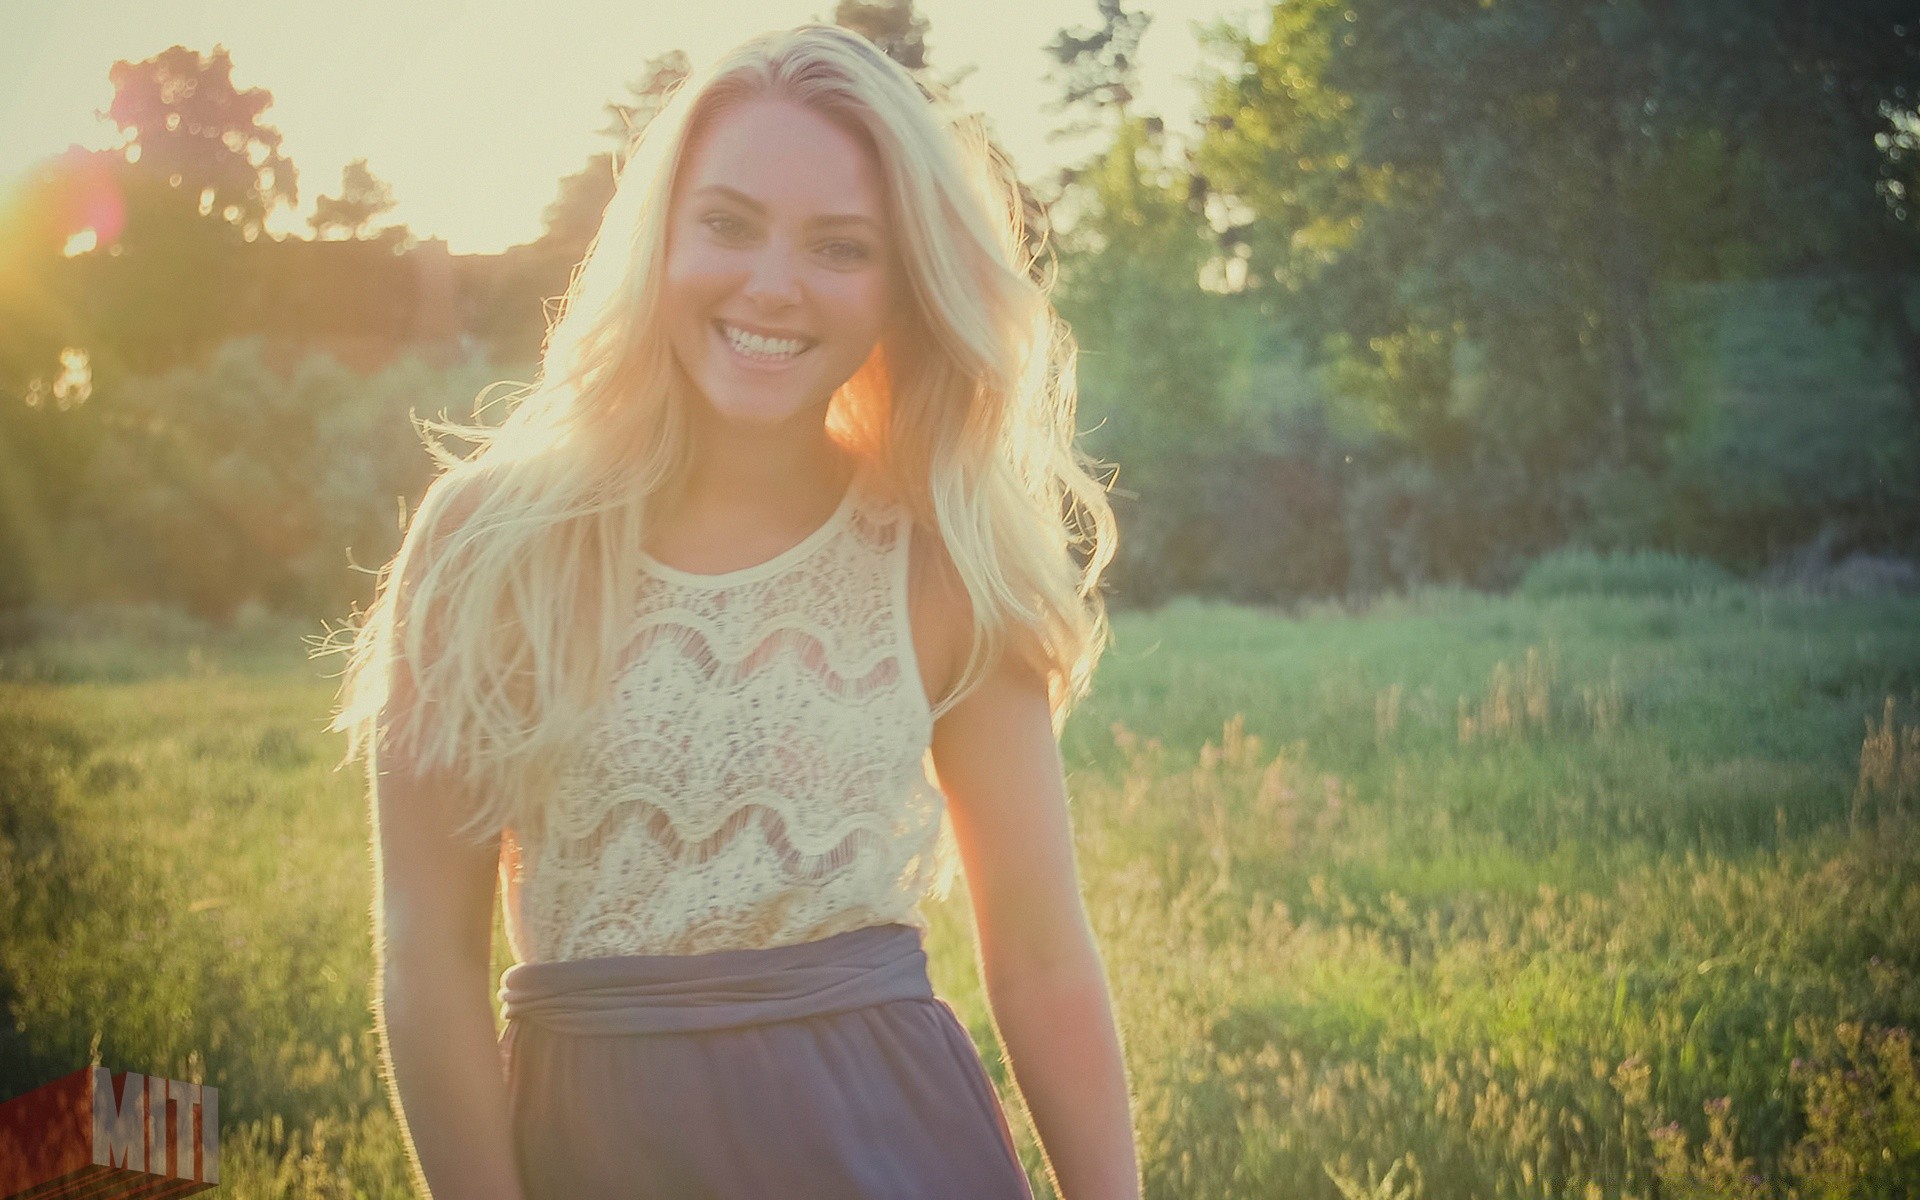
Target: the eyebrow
(746, 201)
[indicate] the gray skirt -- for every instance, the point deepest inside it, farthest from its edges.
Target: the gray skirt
(822, 1069)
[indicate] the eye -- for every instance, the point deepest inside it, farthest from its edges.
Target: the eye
(844, 251)
(725, 225)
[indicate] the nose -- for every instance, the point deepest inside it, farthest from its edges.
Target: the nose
(772, 280)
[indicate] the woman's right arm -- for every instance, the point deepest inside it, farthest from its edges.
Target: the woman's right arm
(433, 942)
(434, 932)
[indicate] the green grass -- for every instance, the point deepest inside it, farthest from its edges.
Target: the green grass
(1558, 896)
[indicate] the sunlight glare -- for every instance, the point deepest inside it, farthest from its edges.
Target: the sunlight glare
(75, 383)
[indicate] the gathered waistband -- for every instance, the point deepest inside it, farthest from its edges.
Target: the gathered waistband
(725, 989)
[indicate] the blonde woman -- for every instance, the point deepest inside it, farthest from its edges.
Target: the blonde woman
(793, 514)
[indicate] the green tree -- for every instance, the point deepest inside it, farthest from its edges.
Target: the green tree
(1436, 186)
(1155, 347)
(1153, 342)
(45, 426)
(1467, 212)
(1836, 105)
(114, 264)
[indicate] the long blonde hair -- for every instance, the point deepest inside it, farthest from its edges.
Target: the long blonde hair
(509, 601)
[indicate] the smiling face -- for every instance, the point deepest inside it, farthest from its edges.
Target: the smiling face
(778, 272)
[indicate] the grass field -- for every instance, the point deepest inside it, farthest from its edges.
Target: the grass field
(1457, 897)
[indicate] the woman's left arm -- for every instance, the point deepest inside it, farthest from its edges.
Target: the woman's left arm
(1000, 768)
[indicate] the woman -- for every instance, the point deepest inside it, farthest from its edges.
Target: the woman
(790, 516)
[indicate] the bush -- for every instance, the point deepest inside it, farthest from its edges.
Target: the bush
(122, 643)
(234, 483)
(1579, 571)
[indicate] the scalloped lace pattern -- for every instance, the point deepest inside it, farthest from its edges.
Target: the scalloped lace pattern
(760, 775)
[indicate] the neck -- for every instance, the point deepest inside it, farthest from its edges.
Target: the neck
(791, 468)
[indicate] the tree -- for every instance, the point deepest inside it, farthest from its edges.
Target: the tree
(648, 93)
(1835, 102)
(46, 432)
(194, 129)
(120, 262)
(1463, 211)
(1408, 191)
(1154, 343)
(901, 34)
(1466, 212)
(1155, 347)
(41, 311)
(891, 25)
(1133, 250)
(1095, 67)
(193, 182)
(362, 198)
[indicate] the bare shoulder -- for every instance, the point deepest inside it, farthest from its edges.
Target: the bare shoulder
(942, 616)
(940, 612)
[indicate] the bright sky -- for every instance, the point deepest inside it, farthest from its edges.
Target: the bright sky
(474, 109)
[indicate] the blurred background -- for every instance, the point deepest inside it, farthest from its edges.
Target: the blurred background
(1372, 295)
(1505, 780)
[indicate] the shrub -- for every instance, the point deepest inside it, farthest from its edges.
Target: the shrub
(1579, 571)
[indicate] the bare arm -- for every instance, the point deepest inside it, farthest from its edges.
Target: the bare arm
(433, 932)
(999, 766)
(433, 942)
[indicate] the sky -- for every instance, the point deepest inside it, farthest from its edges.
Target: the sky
(473, 110)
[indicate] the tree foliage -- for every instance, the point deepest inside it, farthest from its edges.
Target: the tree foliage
(362, 198)
(231, 483)
(1132, 246)
(1466, 213)
(193, 128)
(892, 25)
(1096, 66)
(647, 94)
(1155, 348)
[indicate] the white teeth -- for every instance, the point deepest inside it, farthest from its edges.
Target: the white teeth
(761, 347)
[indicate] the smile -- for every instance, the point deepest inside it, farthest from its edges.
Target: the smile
(755, 348)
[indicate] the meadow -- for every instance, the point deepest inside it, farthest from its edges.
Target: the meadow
(1586, 891)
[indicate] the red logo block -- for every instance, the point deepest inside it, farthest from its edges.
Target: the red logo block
(107, 1136)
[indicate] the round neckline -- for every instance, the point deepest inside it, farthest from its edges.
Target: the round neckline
(785, 558)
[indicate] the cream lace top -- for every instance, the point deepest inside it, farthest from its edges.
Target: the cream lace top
(760, 776)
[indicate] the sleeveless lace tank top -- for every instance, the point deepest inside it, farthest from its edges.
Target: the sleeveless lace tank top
(760, 775)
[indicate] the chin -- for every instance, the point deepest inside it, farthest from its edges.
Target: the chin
(764, 416)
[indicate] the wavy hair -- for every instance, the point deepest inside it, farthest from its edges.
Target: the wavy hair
(498, 626)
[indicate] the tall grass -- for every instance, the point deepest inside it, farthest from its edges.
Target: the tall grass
(1594, 895)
